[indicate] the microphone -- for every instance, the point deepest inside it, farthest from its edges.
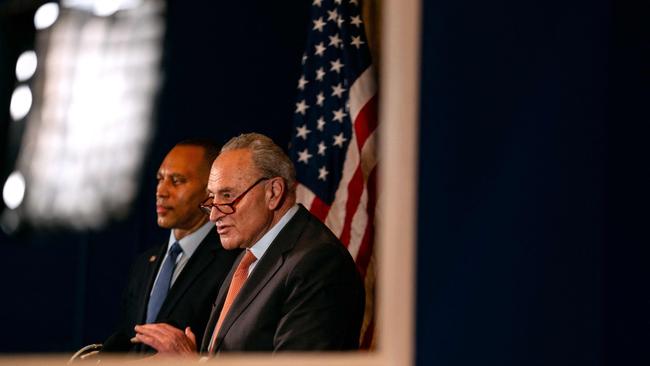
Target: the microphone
(117, 342)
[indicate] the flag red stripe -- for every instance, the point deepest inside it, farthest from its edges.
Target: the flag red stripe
(366, 122)
(355, 188)
(367, 243)
(319, 208)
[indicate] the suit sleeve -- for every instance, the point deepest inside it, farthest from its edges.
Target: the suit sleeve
(132, 300)
(324, 305)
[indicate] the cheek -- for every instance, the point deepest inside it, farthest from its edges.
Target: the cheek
(185, 200)
(249, 227)
(240, 229)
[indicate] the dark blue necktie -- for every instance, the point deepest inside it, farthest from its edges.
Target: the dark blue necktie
(161, 287)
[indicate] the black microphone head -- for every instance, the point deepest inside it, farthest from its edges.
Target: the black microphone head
(118, 342)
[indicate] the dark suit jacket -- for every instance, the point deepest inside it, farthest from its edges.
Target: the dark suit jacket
(188, 301)
(305, 293)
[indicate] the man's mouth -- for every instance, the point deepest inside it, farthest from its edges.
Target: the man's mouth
(162, 209)
(222, 229)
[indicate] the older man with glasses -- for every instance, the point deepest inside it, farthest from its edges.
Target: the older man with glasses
(295, 287)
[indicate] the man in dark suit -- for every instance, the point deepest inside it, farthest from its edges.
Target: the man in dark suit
(176, 282)
(295, 287)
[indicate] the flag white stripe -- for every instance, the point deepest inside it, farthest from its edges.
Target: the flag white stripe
(304, 195)
(359, 222)
(369, 155)
(336, 216)
(361, 91)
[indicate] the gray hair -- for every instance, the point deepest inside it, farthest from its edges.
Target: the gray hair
(267, 156)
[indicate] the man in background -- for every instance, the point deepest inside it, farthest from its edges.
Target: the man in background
(295, 287)
(177, 282)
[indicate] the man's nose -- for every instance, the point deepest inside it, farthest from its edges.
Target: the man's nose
(161, 189)
(215, 214)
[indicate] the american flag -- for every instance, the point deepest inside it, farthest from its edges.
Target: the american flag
(335, 137)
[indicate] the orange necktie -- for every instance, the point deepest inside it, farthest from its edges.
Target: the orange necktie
(238, 279)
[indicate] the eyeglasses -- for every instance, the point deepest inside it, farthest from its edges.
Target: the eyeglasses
(227, 208)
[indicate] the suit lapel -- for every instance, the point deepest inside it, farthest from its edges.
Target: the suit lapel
(153, 264)
(218, 304)
(202, 257)
(263, 272)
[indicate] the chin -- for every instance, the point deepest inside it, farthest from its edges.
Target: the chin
(228, 245)
(163, 224)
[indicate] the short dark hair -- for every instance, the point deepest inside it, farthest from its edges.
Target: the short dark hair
(210, 148)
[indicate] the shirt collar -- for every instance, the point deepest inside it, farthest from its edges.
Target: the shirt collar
(190, 242)
(264, 243)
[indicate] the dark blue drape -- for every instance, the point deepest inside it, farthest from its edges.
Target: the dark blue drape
(531, 247)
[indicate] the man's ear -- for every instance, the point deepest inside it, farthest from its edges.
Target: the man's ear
(277, 192)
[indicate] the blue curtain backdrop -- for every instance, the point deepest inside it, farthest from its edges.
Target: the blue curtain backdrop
(532, 247)
(229, 67)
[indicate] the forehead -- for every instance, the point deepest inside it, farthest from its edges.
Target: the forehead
(232, 169)
(184, 159)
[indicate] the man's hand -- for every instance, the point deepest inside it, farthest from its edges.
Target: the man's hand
(166, 339)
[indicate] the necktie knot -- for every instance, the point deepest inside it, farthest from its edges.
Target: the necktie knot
(246, 262)
(175, 250)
